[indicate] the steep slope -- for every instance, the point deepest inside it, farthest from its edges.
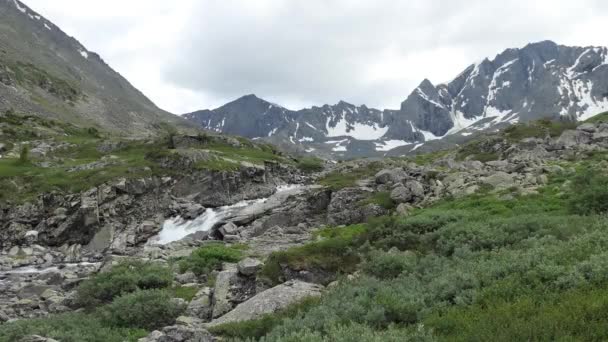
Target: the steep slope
(537, 81)
(43, 71)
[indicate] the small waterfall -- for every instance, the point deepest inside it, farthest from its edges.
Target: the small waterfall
(177, 228)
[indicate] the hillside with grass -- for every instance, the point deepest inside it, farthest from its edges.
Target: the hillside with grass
(502, 238)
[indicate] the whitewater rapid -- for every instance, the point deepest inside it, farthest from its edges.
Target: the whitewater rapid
(177, 228)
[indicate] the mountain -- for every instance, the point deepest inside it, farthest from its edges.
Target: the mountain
(44, 71)
(537, 81)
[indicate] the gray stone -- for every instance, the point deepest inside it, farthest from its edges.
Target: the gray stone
(269, 301)
(229, 229)
(200, 306)
(249, 266)
(499, 180)
(390, 176)
(401, 194)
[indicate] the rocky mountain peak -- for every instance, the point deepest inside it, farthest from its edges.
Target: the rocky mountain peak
(539, 80)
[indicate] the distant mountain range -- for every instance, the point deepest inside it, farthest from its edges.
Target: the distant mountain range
(540, 80)
(45, 72)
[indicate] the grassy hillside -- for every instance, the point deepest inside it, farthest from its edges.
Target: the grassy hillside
(497, 266)
(80, 158)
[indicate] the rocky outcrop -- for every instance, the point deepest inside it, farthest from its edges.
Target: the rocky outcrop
(269, 301)
(186, 329)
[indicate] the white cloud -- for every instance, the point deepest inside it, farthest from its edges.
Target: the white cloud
(200, 54)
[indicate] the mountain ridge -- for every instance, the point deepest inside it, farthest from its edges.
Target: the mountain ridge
(539, 80)
(46, 72)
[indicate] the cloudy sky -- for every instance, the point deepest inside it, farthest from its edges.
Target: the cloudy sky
(193, 54)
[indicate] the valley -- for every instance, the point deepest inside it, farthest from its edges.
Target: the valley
(476, 211)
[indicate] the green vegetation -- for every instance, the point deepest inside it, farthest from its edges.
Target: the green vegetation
(334, 253)
(310, 164)
(476, 150)
(259, 327)
(121, 304)
(210, 257)
(538, 129)
(25, 175)
(602, 117)
(348, 178)
(71, 327)
(381, 198)
(186, 293)
(123, 278)
(28, 74)
(487, 266)
(145, 309)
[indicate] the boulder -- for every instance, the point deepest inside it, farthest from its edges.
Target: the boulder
(221, 293)
(587, 127)
(401, 194)
(200, 306)
(572, 138)
(499, 180)
(271, 300)
(186, 329)
(229, 229)
(390, 176)
(344, 206)
(249, 266)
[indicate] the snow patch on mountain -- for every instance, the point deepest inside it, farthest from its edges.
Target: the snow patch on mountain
(356, 130)
(388, 145)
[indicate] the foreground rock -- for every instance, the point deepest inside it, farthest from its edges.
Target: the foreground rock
(186, 329)
(269, 301)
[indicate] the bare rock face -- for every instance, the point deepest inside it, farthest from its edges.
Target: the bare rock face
(270, 301)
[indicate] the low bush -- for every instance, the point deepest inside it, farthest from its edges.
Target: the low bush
(335, 253)
(145, 309)
(388, 265)
(576, 315)
(310, 164)
(381, 198)
(210, 257)
(71, 327)
(123, 278)
(590, 192)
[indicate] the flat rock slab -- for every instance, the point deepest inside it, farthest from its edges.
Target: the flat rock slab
(269, 301)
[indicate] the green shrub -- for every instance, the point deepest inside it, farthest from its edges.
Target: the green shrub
(343, 179)
(353, 333)
(577, 315)
(70, 327)
(24, 155)
(335, 253)
(123, 278)
(388, 265)
(145, 309)
(186, 293)
(381, 198)
(210, 257)
(310, 164)
(589, 192)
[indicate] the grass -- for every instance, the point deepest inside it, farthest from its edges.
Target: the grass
(210, 257)
(574, 315)
(538, 129)
(344, 179)
(310, 164)
(25, 179)
(602, 117)
(71, 327)
(334, 254)
(381, 198)
(186, 293)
